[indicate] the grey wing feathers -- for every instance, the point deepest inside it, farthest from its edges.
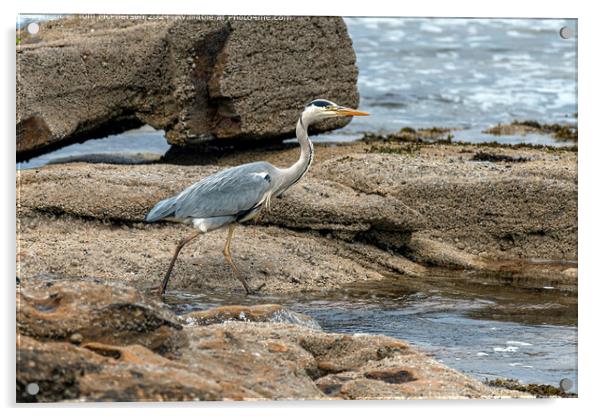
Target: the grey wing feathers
(163, 209)
(232, 191)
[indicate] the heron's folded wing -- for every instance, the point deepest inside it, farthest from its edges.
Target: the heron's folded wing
(229, 192)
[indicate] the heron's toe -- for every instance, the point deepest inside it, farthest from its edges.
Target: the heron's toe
(256, 290)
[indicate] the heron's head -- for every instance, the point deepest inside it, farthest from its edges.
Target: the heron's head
(321, 109)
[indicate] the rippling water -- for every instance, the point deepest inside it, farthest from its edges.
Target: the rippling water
(470, 73)
(485, 331)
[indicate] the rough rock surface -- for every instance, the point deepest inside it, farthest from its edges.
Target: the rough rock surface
(526, 209)
(222, 361)
(357, 216)
(93, 311)
(199, 80)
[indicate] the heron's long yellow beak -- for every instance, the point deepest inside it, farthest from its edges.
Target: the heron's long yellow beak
(344, 111)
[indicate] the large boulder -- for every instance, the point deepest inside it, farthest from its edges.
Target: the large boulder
(199, 80)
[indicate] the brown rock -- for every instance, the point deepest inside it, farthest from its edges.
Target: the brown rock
(355, 218)
(225, 361)
(127, 193)
(199, 80)
(66, 372)
(571, 272)
(528, 211)
(85, 311)
(437, 253)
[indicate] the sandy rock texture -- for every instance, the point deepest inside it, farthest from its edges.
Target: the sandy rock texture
(526, 209)
(199, 80)
(360, 215)
(231, 360)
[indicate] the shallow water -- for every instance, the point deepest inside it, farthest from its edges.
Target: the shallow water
(486, 331)
(142, 140)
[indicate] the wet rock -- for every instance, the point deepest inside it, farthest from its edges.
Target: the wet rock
(100, 373)
(257, 313)
(391, 375)
(199, 80)
(538, 390)
(115, 159)
(337, 364)
(496, 157)
(561, 132)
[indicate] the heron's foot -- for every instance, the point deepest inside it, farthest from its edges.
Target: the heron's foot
(154, 291)
(256, 290)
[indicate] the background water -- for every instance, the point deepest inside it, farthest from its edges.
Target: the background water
(423, 72)
(470, 73)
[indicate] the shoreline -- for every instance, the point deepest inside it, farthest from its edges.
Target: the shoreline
(94, 341)
(359, 217)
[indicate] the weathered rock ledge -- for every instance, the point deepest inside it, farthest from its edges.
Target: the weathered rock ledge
(199, 80)
(93, 341)
(358, 216)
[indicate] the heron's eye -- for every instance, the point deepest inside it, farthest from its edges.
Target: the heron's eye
(322, 103)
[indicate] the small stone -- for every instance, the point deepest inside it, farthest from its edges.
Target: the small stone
(76, 338)
(570, 272)
(277, 347)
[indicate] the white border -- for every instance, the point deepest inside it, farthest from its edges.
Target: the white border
(590, 153)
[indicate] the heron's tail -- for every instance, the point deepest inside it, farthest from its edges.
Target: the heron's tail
(163, 209)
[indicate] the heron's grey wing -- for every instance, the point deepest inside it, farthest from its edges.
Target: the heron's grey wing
(232, 191)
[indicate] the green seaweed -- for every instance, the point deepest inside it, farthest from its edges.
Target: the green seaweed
(395, 138)
(411, 135)
(408, 150)
(481, 156)
(565, 132)
(538, 390)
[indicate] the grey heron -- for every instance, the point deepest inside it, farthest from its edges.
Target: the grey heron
(238, 194)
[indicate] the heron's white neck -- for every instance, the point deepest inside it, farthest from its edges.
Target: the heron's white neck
(293, 174)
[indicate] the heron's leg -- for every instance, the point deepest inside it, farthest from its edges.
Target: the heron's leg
(181, 244)
(228, 257)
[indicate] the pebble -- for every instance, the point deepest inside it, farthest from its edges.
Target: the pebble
(76, 338)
